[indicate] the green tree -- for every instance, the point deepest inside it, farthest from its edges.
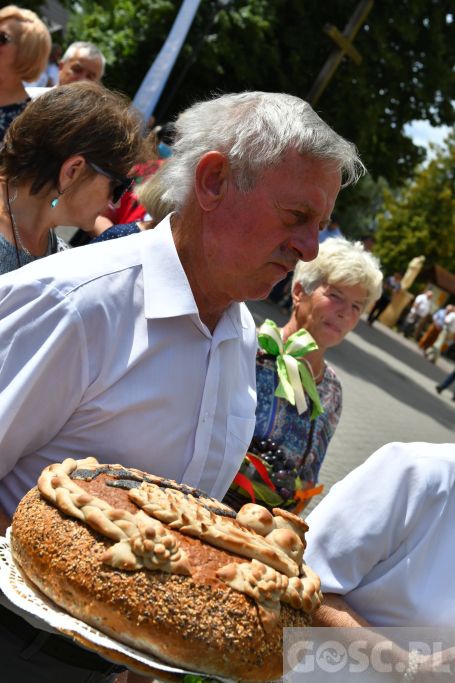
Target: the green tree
(408, 50)
(420, 218)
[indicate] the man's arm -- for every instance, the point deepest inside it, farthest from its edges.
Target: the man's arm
(336, 612)
(43, 367)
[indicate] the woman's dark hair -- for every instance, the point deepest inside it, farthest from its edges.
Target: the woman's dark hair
(81, 118)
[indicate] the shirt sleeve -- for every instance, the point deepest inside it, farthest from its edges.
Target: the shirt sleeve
(364, 518)
(43, 367)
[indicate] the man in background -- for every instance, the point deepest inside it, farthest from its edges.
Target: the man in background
(417, 316)
(392, 284)
(81, 62)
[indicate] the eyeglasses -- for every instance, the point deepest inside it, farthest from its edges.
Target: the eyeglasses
(119, 184)
(5, 38)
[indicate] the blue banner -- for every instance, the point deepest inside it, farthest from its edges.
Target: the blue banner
(152, 86)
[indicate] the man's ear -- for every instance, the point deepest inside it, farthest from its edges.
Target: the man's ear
(211, 179)
(71, 170)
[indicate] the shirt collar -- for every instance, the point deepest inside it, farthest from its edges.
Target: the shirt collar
(167, 292)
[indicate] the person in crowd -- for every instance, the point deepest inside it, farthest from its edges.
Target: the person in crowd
(418, 314)
(446, 382)
(25, 44)
(381, 542)
(432, 332)
(165, 136)
(368, 240)
(81, 61)
(52, 70)
(392, 284)
(141, 346)
(332, 229)
(153, 210)
(92, 137)
(329, 295)
(445, 337)
(130, 214)
(371, 539)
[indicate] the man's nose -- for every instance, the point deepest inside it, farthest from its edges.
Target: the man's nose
(306, 242)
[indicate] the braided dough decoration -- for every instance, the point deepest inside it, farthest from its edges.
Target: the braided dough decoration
(141, 540)
(274, 543)
(189, 517)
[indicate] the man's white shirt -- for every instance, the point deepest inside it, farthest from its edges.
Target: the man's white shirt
(103, 353)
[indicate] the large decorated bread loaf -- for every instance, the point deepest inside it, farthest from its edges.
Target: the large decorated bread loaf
(161, 567)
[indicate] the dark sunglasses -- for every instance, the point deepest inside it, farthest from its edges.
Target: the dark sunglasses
(119, 184)
(5, 38)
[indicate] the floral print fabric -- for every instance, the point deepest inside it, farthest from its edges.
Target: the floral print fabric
(277, 419)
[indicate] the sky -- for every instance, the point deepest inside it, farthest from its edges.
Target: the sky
(422, 133)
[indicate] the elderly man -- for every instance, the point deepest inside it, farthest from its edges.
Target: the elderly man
(417, 316)
(139, 350)
(81, 62)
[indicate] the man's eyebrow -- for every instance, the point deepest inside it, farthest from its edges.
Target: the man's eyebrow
(302, 206)
(297, 205)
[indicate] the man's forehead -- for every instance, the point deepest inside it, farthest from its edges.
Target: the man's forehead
(90, 63)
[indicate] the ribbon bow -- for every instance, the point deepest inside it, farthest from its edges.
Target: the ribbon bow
(295, 377)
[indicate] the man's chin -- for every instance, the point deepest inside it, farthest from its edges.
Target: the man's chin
(260, 293)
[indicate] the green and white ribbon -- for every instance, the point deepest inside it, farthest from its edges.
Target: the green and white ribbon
(295, 377)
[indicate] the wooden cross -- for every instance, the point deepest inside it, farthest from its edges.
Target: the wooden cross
(345, 47)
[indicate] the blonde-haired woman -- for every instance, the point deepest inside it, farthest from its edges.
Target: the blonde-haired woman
(291, 437)
(25, 45)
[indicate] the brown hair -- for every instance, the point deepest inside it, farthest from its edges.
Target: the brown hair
(81, 118)
(33, 41)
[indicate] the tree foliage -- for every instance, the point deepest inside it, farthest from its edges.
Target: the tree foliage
(408, 51)
(420, 219)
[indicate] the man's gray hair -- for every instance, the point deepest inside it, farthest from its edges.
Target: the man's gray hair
(254, 130)
(88, 49)
(341, 262)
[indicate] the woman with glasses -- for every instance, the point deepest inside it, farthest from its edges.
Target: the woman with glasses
(25, 45)
(63, 160)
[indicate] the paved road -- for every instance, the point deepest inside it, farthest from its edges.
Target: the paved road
(388, 395)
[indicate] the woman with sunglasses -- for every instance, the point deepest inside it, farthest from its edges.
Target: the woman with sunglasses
(25, 45)
(63, 160)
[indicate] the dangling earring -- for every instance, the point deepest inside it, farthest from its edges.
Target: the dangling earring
(55, 201)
